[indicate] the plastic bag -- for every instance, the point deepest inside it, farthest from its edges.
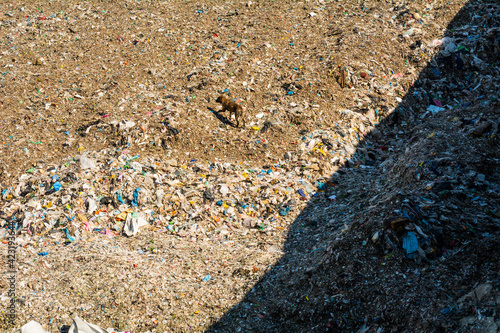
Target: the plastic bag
(132, 224)
(32, 327)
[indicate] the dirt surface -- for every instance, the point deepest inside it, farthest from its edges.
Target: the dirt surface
(361, 196)
(68, 67)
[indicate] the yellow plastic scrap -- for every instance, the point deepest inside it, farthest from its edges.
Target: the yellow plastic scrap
(319, 149)
(123, 215)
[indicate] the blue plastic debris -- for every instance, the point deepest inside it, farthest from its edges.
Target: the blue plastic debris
(71, 238)
(436, 72)
(410, 244)
(206, 278)
(284, 211)
(136, 194)
(119, 197)
(57, 186)
(447, 310)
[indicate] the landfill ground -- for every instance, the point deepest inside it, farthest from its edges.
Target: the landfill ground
(362, 194)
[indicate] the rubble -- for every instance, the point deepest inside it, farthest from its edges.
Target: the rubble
(362, 194)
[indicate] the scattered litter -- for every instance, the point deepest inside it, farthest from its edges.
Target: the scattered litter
(125, 185)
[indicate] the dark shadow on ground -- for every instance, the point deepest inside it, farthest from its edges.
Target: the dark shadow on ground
(340, 286)
(221, 118)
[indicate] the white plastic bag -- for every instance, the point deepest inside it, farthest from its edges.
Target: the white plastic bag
(32, 327)
(92, 206)
(132, 224)
(87, 163)
(81, 326)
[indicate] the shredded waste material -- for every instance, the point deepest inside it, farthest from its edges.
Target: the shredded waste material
(362, 193)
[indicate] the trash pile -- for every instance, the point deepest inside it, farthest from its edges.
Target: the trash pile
(414, 232)
(412, 244)
(115, 194)
(362, 195)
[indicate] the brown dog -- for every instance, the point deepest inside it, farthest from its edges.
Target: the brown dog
(233, 108)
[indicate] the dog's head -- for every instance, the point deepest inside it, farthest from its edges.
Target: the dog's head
(219, 99)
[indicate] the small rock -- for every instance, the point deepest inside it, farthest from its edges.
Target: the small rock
(467, 321)
(490, 326)
(482, 290)
(376, 133)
